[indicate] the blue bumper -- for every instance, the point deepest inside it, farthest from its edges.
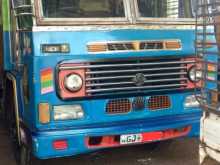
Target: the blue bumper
(43, 141)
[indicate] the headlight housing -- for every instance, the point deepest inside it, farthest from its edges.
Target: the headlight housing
(191, 102)
(194, 74)
(73, 82)
(68, 112)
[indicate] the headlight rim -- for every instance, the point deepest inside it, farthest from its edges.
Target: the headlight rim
(66, 86)
(196, 78)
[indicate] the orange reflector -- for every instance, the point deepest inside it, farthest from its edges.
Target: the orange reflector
(211, 67)
(173, 45)
(44, 113)
(60, 145)
(214, 97)
(97, 48)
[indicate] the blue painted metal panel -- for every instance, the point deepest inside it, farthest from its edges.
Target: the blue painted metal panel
(7, 52)
(96, 122)
(95, 112)
(76, 137)
(78, 41)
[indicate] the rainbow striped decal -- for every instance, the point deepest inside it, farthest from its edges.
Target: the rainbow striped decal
(211, 74)
(47, 81)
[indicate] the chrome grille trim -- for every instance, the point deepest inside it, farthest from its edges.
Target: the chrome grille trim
(134, 88)
(126, 83)
(120, 76)
(146, 75)
(124, 65)
(135, 70)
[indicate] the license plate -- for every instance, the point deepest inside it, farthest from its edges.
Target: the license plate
(131, 139)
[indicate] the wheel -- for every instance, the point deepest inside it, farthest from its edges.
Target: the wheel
(25, 156)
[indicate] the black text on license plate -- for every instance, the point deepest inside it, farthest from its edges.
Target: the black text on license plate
(130, 139)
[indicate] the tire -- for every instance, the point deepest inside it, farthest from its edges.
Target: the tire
(25, 156)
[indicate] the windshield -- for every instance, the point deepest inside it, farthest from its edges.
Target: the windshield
(83, 8)
(166, 8)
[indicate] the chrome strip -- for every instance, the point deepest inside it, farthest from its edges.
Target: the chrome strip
(127, 83)
(124, 65)
(146, 75)
(134, 70)
(134, 88)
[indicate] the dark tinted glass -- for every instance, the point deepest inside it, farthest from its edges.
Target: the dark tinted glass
(83, 8)
(167, 8)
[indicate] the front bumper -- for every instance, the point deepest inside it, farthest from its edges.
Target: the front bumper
(42, 142)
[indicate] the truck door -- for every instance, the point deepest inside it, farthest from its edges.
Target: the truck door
(208, 50)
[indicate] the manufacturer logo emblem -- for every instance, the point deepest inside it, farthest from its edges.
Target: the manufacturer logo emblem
(139, 79)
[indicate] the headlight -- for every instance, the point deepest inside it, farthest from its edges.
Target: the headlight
(191, 102)
(194, 74)
(68, 112)
(73, 82)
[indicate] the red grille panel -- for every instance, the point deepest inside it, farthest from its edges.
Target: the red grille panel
(128, 76)
(158, 102)
(118, 106)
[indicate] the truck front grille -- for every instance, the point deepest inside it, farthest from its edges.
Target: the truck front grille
(125, 76)
(133, 76)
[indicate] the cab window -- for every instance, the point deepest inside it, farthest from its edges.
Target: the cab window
(83, 8)
(166, 8)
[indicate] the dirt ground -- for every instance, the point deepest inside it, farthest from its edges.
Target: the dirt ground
(179, 152)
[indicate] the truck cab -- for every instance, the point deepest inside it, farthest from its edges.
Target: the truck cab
(84, 75)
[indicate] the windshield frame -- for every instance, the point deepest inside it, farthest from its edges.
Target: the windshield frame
(160, 20)
(131, 17)
(41, 20)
